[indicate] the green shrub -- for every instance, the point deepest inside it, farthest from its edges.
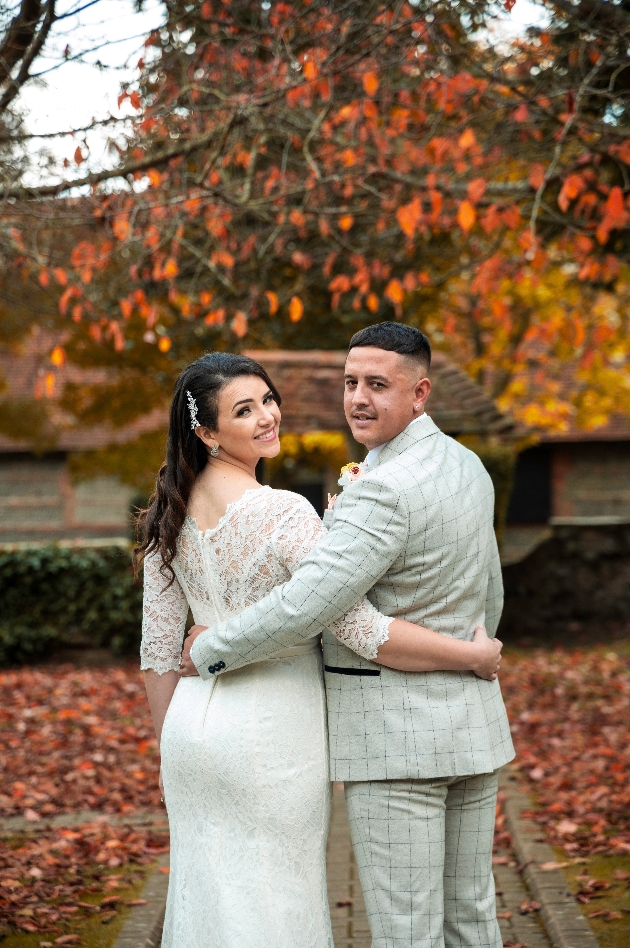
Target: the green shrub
(58, 596)
(499, 460)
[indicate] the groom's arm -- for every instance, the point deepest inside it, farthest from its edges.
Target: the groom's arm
(368, 534)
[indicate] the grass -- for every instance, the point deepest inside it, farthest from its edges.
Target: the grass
(613, 933)
(90, 928)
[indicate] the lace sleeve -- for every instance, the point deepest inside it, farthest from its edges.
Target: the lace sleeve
(363, 629)
(164, 614)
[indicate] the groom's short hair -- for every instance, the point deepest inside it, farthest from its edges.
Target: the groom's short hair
(396, 337)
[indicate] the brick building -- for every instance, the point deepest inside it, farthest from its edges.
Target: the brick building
(574, 479)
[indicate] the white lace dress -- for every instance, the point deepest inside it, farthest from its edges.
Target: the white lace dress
(244, 756)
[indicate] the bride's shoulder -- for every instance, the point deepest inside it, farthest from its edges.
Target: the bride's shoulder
(287, 502)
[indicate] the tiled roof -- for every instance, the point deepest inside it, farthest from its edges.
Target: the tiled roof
(311, 385)
(310, 382)
(617, 429)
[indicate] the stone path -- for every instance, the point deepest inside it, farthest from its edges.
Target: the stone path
(349, 920)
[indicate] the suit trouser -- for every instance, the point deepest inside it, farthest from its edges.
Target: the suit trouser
(424, 854)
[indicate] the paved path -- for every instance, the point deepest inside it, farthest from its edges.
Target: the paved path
(350, 925)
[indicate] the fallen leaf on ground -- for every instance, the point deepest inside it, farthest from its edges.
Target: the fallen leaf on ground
(568, 713)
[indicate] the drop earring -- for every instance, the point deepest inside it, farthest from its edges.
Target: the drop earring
(214, 451)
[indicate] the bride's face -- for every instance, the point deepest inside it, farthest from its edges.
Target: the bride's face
(248, 420)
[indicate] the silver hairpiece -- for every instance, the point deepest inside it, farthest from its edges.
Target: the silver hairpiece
(192, 408)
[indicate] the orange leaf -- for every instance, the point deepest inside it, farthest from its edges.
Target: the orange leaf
(614, 204)
(521, 114)
(409, 216)
(372, 302)
(205, 298)
(370, 83)
(58, 356)
(170, 269)
(346, 222)
(571, 187)
(310, 70)
(215, 318)
(297, 217)
(134, 99)
(223, 257)
(49, 384)
(78, 156)
(476, 190)
(44, 279)
(126, 308)
(60, 276)
(120, 227)
(296, 309)
(154, 177)
(394, 291)
(467, 139)
(240, 324)
(273, 302)
(536, 175)
(466, 216)
(164, 344)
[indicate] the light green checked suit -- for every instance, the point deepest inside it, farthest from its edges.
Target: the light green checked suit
(418, 751)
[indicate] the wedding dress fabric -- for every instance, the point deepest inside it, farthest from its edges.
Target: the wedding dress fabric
(244, 756)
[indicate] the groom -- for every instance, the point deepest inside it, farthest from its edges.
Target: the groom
(418, 753)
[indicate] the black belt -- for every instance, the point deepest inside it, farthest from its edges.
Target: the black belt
(352, 671)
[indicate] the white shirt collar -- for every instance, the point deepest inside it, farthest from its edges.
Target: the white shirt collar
(373, 453)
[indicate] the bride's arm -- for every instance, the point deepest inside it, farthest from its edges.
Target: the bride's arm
(394, 643)
(411, 647)
(164, 612)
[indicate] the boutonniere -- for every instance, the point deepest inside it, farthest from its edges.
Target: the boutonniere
(351, 473)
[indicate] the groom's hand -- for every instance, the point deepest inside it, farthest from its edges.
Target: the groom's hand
(489, 654)
(187, 668)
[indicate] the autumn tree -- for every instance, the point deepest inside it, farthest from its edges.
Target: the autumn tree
(300, 169)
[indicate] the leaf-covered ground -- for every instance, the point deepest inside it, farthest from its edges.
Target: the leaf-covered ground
(570, 712)
(76, 739)
(81, 739)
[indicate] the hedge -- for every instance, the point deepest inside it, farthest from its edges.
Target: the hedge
(55, 596)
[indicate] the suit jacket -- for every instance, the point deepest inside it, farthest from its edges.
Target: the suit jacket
(416, 534)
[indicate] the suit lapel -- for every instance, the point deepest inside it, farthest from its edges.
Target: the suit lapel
(423, 428)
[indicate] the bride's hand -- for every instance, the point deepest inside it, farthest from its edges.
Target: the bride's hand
(487, 661)
(186, 667)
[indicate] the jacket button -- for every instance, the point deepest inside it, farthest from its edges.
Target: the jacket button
(212, 669)
(220, 666)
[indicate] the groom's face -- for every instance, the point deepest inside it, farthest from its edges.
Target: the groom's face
(383, 392)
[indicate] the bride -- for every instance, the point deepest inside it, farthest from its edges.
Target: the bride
(244, 756)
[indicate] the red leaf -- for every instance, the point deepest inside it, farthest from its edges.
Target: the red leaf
(476, 190)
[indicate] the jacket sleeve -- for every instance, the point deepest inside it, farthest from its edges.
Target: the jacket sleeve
(494, 595)
(369, 532)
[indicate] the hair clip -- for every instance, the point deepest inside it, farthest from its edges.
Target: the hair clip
(192, 408)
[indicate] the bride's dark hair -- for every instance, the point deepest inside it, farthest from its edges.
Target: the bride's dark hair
(160, 524)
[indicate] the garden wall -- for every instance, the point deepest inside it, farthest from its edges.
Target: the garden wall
(579, 575)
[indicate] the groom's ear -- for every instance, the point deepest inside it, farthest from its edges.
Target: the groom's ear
(422, 391)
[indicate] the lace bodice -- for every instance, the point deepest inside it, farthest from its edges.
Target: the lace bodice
(258, 544)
